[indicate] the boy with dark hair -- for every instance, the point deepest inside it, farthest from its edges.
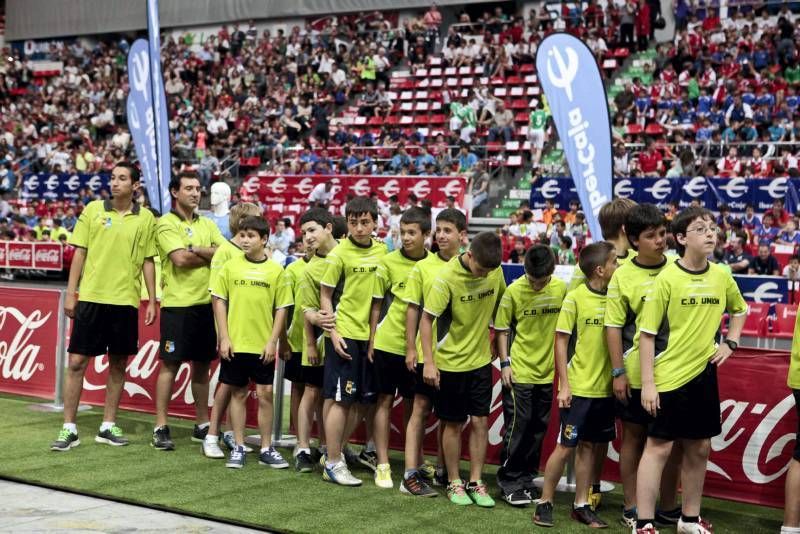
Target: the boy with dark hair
(387, 348)
(791, 510)
(584, 386)
(527, 314)
(249, 290)
(646, 228)
(350, 271)
(463, 299)
(451, 229)
(227, 250)
(316, 226)
(679, 388)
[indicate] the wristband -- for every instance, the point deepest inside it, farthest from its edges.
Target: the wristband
(506, 363)
(616, 372)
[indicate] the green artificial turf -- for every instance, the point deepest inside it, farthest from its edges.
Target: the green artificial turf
(281, 500)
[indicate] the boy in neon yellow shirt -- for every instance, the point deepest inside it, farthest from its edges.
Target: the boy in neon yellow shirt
(791, 511)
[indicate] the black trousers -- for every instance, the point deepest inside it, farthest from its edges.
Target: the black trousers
(526, 411)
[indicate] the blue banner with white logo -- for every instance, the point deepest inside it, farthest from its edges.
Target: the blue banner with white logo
(62, 186)
(570, 79)
(159, 108)
(711, 192)
(141, 122)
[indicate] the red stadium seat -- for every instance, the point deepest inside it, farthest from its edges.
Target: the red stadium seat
(786, 316)
(756, 322)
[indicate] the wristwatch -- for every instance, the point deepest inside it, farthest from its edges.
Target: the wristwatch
(617, 372)
(732, 344)
(506, 363)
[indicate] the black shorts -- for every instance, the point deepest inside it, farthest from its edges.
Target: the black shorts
(464, 393)
(634, 412)
(188, 334)
(314, 375)
(391, 375)
(352, 380)
(586, 419)
(691, 411)
(421, 388)
(797, 439)
(100, 328)
(293, 368)
(243, 367)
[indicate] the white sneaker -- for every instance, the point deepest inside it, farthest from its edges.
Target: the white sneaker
(383, 476)
(340, 474)
(211, 450)
(701, 527)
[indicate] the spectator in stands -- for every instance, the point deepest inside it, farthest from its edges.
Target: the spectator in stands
(792, 270)
(650, 160)
(779, 214)
(321, 195)
(280, 239)
(518, 253)
(502, 123)
(480, 182)
(750, 221)
(737, 258)
(564, 251)
(466, 158)
(768, 232)
(549, 212)
(765, 263)
(790, 235)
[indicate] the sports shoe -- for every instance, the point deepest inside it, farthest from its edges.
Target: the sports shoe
(323, 460)
(162, 440)
(701, 527)
(417, 486)
(303, 463)
(340, 474)
(647, 529)
(543, 516)
(111, 436)
(440, 477)
(587, 516)
(65, 441)
(517, 498)
(595, 498)
(199, 434)
(383, 476)
(427, 471)
(316, 455)
(368, 459)
(668, 517)
(479, 495)
(236, 458)
(628, 518)
(211, 450)
(273, 459)
(457, 493)
(230, 442)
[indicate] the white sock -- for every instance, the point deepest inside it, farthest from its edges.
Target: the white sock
(298, 451)
(106, 425)
(72, 427)
(790, 530)
(370, 447)
(265, 449)
(211, 439)
(204, 425)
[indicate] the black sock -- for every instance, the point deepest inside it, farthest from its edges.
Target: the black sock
(690, 518)
(641, 523)
(595, 488)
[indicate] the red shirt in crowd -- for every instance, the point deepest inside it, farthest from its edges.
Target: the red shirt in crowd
(650, 161)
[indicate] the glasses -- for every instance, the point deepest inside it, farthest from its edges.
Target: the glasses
(703, 229)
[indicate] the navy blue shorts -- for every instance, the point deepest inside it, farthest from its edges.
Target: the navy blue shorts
(589, 420)
(349, 381)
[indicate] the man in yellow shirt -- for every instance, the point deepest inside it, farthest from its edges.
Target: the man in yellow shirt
(114, 243)
(186, 244)
(791, 511)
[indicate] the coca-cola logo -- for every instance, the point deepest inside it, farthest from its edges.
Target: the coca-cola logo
(47, 256)
(20, 254)
(18, 357)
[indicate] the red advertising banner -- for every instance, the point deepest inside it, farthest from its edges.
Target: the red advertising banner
(31, 255)
(294, 190)
(28, 341)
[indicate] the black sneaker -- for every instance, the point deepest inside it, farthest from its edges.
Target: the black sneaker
(162, 439)
(543, 516)
(519, 497)
(586, 515)
(112, 436)
(316, 454)
(199, 434)
(65, 441)
(304, 463)
(350, 457)
(668, 517)
(415, 485)
(628, 518)
(368, 459)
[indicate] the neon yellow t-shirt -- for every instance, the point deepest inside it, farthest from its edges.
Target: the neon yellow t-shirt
(227, 250)
(579, 279)
(419, 283)
(687, 308)
(309, 301)
(185, 286)
(390, 284)
(589, 369)
(351, 267)
(465, 306)
(531, 316)
(627, 291)
(794, 364)
(294, 273)
(253, 290)
(116, 247)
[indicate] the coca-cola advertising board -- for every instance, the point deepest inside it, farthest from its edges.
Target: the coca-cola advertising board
(28, 341)
(31, 255)
(294, 190)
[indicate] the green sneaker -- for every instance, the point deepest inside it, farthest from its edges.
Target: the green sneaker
(112, 436)
(477, 492)
(65, 441)
(457, 494)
